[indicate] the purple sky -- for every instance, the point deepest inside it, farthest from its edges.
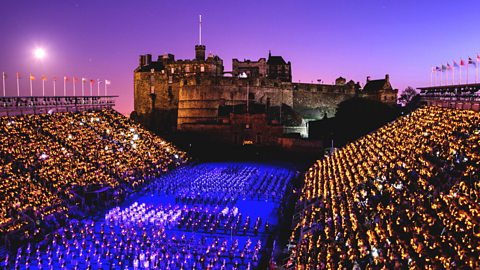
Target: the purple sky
(322, 39)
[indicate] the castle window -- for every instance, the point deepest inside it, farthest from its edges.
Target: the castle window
(202, 68)
(172, 70)
(187, 69)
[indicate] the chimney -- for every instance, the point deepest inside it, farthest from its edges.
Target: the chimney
(368, 79)
(141, 60)
(148, 59)
(387, 78)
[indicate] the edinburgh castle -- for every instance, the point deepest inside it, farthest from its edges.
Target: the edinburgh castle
(256, 102)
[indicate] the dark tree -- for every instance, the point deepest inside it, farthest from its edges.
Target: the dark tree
(356, 117)
(408, 94)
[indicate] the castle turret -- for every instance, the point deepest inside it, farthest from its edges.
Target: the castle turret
(148, 59)
(200, 52)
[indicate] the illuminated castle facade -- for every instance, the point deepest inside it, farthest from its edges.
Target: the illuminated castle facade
(198, 95)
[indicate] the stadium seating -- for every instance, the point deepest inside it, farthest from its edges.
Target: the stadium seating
(404, 196)
(48, 158)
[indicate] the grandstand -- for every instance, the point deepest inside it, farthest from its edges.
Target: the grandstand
(49, 104)
(404, 196)
(457, 96)
(68, 161)
(60, 165)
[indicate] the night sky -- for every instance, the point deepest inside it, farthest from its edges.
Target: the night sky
(322, 39)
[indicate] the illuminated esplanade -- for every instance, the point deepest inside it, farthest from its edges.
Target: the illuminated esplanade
(46, 104)
(459, 96)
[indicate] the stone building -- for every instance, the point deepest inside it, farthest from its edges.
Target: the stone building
(248, 68)
(380, 90)
(190, 95)
(278, 69)
(273, 68)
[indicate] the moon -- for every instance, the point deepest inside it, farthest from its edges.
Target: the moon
(39, 53)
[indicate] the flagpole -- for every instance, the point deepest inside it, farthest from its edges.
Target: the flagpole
(431, 77)
(3, 78)
(460, 79)
(467, 71)
(446, 77)
(43, 87)
(73, 81)
(476, 71)
(18, 84)
(105, 89)
(91, 86)
(83, 87)
(64, 86)
(98, 87)
(453, 74)
(31, 85)
(54, 81)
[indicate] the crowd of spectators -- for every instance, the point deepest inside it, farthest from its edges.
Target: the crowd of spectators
(404, 196)
(50, 162)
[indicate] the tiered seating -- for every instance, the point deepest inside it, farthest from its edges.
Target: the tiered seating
(45, 158)
(405, 196)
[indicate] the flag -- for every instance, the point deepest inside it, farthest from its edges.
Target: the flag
(438, 69)
(44, 78)
(92, 81)
(449, 67)
(65, 78)
(32, 77)
(478, 57)
(471, 62)
(107, 82)
(433, 69)
(462, 63)
(84, 80)
(444, 68)
(74, 79)
(455, 64)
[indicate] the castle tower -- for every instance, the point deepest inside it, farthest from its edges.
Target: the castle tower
(200, 49)
(200, 52)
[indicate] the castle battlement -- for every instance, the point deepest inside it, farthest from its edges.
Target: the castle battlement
(183, 93)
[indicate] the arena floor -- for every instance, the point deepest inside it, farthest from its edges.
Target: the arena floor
(206, 215)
